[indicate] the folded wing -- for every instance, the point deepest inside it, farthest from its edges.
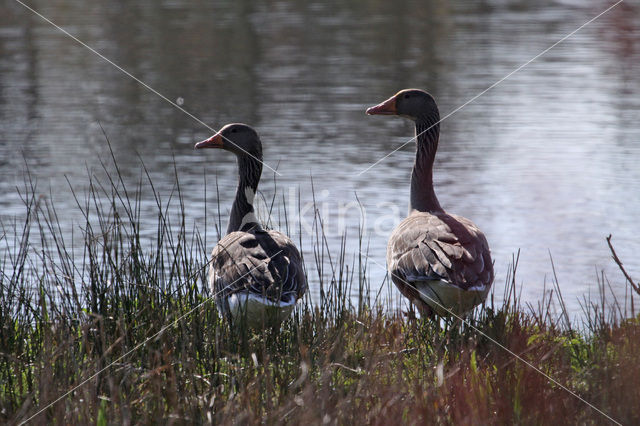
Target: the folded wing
(439, 247)
(265, 263)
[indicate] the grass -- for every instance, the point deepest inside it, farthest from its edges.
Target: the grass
(124, 332)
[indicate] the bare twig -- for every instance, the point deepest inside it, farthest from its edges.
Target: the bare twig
(616, 259)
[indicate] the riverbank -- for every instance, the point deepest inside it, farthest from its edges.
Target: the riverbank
(130, 335)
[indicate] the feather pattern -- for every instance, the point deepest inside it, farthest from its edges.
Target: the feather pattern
(439, 247)
(265, 263)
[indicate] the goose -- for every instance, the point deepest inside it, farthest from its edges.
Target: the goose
(256, 275)
(440, 261)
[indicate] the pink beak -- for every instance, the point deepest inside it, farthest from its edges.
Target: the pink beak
(215, 141)
(387, 107)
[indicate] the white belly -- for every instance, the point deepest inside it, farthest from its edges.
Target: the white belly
(441, 294)
(255, 311)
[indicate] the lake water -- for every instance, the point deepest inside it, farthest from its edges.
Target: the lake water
(545, 162)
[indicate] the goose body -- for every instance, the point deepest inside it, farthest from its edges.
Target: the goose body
(256, 275)
(440, 261)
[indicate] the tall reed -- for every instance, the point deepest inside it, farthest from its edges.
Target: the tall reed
(122, 330)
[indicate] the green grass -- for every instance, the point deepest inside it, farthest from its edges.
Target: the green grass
(67, 315)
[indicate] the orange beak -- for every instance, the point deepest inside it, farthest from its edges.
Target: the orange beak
(387, 107)
(214, 141)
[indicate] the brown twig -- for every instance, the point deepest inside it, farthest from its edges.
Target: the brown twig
(616, 259)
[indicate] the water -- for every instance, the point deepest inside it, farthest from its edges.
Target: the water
(544, 162)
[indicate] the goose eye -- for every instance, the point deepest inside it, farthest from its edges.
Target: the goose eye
(406, 96)
(234, 130)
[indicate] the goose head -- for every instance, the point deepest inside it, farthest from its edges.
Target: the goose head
(238, 138)
(414, 104)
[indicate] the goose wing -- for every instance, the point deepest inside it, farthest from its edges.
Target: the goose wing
(262, 262)
(442, 247)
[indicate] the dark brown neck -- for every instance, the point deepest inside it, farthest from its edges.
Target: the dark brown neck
(423, 197)
(243, 217)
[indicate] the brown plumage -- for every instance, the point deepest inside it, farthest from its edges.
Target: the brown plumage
(255, 274)
(266, 263)
(439, 261)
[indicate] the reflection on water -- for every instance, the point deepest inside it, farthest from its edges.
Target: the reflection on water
(546, 161)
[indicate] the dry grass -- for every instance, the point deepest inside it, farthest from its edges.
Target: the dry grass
(64, 317)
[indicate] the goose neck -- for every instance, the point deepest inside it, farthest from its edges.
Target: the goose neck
(242, 212)
(423, 196)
